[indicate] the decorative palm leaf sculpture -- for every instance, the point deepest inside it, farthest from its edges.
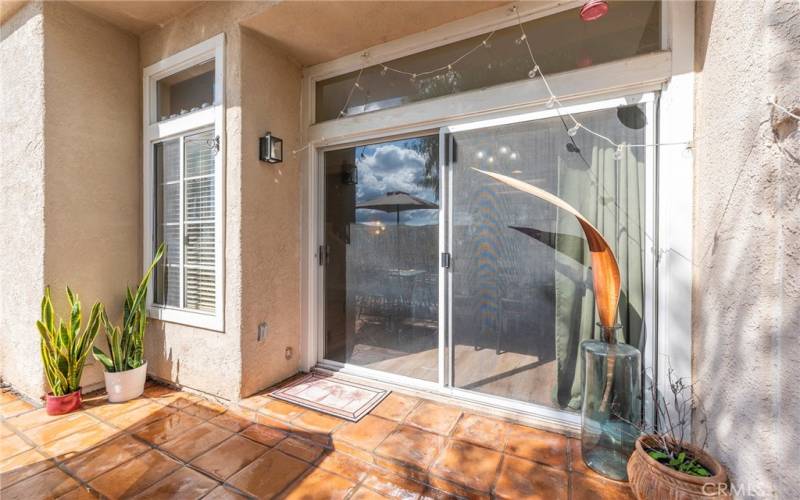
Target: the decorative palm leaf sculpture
(605, 271)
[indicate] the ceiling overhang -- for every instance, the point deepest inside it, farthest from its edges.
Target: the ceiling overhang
(315, 32)
(310, 32)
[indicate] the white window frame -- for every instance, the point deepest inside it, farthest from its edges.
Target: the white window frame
(154, 131)
(669, 71)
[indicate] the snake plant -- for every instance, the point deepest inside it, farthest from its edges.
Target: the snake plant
(65, 347)
(126, 344)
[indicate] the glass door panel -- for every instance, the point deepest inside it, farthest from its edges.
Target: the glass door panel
(381, 256)
(522, 296)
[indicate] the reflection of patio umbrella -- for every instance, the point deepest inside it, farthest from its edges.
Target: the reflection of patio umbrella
(397, 201)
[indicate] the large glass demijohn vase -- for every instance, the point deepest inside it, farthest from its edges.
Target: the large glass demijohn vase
(612, 404)
(611, 377)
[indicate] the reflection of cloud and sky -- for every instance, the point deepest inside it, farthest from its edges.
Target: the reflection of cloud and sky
(396, 166)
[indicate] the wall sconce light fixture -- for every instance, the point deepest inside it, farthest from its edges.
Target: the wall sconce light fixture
(349, 174)
(270, 148)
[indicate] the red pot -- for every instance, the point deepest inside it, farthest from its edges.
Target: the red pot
(59, 405)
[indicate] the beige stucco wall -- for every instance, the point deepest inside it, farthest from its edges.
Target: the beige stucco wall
(22, 187)
(92, 170)
(746, 317)
(261, 218)
(205, 360)
(270, 221)
(71, 177)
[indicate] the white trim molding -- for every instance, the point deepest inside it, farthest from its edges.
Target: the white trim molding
(675, 198)
(664, 79)
(154, 131)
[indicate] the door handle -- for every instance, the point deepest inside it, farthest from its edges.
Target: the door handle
(324, 254)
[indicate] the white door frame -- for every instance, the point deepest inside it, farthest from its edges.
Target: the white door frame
(445, 368)
(670, 72)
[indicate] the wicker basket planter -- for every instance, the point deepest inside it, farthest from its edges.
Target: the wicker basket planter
(650, 479)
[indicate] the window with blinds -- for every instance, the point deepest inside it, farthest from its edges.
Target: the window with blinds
(185, 210)
(184, 166)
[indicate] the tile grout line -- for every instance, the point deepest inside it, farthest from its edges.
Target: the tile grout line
(402, 422)
(61, 464)
(157, 447)
(122, 432)
(569, 469)
(497, 472)
(292, 430)
(34, 447)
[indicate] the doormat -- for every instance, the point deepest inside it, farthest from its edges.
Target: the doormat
(340, 398)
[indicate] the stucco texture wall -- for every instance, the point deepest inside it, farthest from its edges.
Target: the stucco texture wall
(92, 155)
(22, 187)
(204, 360)
(270, 215)
(746, 318)
(70, 178)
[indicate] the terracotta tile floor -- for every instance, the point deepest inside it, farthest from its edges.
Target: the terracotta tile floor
(171, 444)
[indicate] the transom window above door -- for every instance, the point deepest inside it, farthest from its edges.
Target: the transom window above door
(561, 42)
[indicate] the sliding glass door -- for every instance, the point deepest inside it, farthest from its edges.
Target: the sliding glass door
(516, 298)
(381, 256)
(522, 298)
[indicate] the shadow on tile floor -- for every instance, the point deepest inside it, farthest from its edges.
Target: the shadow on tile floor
(173, 444)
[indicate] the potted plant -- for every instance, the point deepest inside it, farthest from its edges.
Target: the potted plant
(664, 464)
(64, 350)
(125, 367)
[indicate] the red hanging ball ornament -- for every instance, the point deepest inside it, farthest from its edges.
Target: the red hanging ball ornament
(594, 9)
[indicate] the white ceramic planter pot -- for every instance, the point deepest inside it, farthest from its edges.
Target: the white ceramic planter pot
(124, 386)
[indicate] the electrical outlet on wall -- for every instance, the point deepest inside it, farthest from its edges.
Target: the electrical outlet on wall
(262, 331)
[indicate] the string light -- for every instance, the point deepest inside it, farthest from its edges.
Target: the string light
(771, 100)
(356, 85)
(299, 150)
(552, 101)
(619, 152)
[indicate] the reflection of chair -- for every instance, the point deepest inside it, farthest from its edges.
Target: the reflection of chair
(511, 312)
(425, 300)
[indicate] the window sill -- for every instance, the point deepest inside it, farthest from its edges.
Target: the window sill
(188, 318)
